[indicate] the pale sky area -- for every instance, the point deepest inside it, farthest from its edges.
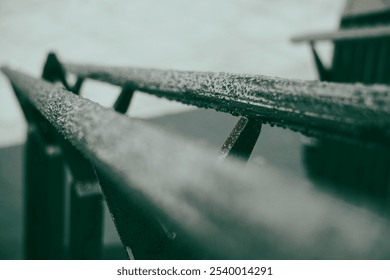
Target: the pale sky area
(239, 36)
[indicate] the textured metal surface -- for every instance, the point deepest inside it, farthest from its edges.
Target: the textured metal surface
(219, 209)
(44, 188)
(86, 199)
(346, 34)
(242, 139)
(311, 107)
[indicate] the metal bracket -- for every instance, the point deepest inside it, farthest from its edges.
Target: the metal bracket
(53, 71)
(123, 101)
(242, 139)
(323, 72)
(77, 86)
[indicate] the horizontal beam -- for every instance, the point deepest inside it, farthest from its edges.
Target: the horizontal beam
(311, 107)
(345, 35)
(221, 209)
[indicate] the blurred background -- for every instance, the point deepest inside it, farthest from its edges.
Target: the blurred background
(239, 36)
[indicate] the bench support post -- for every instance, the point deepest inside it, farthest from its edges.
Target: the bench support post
(323, 72)
(242, 139)
(44, 197)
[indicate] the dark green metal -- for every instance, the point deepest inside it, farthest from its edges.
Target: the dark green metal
(44, 194)
(242, 139)
(217, 210)
(313, 108)
(86, 200)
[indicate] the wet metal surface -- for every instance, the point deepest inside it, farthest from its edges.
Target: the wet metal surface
(314, 108)
(180, 182)
(242, 139)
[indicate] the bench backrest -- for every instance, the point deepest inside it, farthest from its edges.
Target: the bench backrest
(363, 60)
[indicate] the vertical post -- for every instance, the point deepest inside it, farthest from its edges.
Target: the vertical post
(43, 198)
(86, 207)
(44, 188)
(86, 221)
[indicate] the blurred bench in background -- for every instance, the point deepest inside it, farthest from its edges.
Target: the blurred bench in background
(361, 55)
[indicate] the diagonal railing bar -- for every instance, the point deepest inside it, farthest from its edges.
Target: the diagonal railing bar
(77, 86)
(44, 187)
(221, 211)
(123, 101)
(242, 139)
(311, 107)
(323, 72)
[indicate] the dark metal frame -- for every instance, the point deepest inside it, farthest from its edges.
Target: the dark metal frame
(186, 211)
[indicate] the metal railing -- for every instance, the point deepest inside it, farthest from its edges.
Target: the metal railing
(169, 197)
(310, 107)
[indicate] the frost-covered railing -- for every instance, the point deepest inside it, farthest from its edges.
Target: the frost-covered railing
(169, 197)
(311, 107)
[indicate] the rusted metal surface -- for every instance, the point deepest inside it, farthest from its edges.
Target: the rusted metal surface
(346, 34)
(220, 210)
(311, 107)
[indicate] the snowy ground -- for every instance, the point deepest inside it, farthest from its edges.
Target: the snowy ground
(241, 36)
